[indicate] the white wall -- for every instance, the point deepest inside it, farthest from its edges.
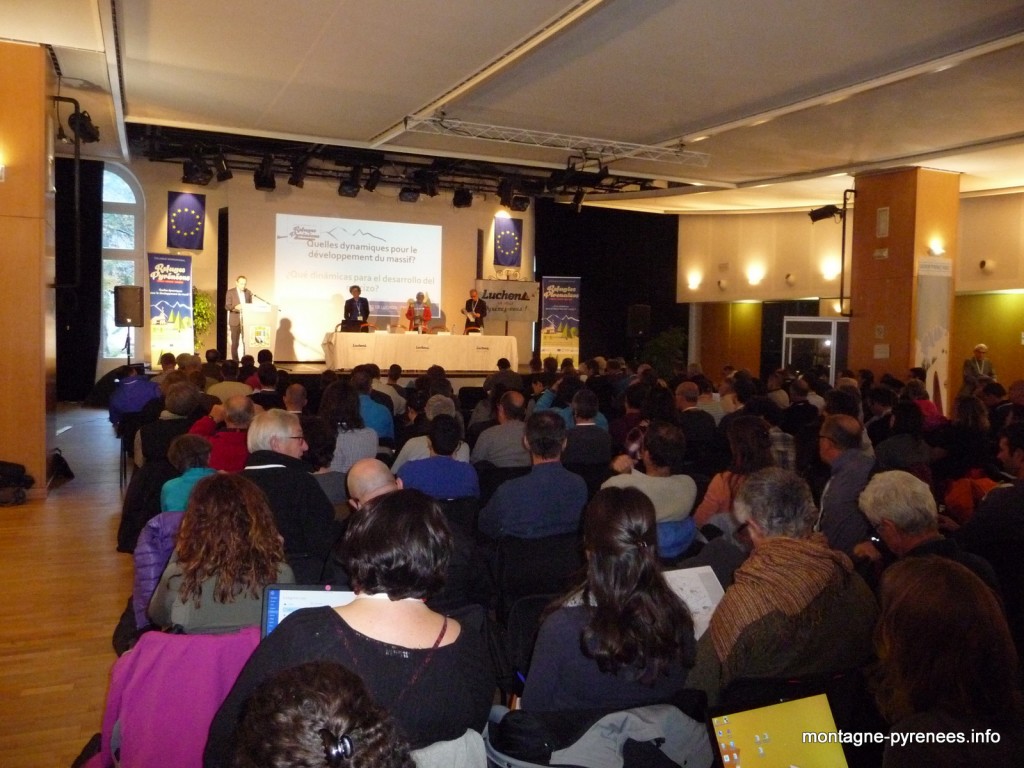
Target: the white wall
(252, 231)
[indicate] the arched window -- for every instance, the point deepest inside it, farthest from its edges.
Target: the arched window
(123, 241)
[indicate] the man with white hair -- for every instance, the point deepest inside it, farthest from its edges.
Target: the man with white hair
(977, 370)
(302, 511)
(416, 448)
(795, 607)
(902, 510)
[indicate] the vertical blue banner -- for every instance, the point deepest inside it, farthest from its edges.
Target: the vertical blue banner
(170, 305)
(508, 242)
(560, 318)
(186, 220)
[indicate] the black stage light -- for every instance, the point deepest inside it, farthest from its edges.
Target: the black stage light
(372, 180)
(196, 170)
(506, 190)
(520, 203)
(462, 198)
(220, 164)
(577, 199)
(81, 124)
(349, 185)
(298, 176)
(409, 194)
(825, 212)
(263, 177)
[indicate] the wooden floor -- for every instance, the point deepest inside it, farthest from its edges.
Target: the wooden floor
(63, 587)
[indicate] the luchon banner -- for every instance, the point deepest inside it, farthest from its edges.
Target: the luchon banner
(560, 318)
(170, 306)
(510, 300)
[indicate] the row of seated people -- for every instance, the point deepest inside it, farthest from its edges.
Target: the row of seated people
(620, 637)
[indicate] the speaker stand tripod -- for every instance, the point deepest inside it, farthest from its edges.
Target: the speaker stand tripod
(128, 346)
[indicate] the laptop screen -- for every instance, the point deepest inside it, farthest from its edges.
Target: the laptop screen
(774, 736)
(281, 599)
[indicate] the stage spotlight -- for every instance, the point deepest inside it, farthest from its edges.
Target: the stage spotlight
(263, 177)
(577, 199)
(463, 198)
(349, 186)
(409, 194)
(196, 170)
(520, 203)
(428, 181)
(298, 175)
(506, 190)
(81, 124)
(372, 180)
(220, 164)
(825, 212)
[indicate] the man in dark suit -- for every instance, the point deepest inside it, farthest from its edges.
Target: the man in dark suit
(357, 311)
(475, 312)
(236, 296)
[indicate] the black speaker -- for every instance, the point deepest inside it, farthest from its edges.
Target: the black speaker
(128, 306)
(638, 320)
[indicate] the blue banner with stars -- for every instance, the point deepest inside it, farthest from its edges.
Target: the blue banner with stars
(186, 220)
(508, 242)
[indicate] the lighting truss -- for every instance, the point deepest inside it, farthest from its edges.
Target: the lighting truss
(605, 148)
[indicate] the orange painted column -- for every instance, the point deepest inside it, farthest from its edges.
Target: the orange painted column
(28, 362)
(901, 276)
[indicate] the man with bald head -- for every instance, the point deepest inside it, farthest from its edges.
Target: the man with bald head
(368, 479)
(840, 519)
(502, 444)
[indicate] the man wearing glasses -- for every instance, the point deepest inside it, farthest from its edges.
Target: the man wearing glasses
(302, 511)
(840, 519)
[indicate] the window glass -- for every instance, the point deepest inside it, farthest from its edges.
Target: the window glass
(119, 231)
(116, 189)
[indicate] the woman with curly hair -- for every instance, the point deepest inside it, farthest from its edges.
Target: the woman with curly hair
(750, 444)
(428, 670)
(948, 665)
(228, 550)
(317, 715)
(622, 638)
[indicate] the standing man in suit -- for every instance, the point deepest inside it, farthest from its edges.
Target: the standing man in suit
(977, 370)
(475, 312)
(357, 310)
(236, 296)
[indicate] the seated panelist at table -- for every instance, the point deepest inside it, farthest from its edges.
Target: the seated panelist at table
(357, 311)
(418, 313)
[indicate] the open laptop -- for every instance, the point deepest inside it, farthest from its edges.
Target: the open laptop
(773, 736)
(281, 599)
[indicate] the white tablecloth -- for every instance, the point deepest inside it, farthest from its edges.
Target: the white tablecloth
(475, 352)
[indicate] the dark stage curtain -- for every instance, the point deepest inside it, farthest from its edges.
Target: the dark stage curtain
(78, 304)
(623, 258)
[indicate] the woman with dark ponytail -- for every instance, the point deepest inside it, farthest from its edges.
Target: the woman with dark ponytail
(622, 638)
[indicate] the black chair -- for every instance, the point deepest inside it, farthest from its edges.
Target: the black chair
(491, 477)
(543, 566)
(142, 501)
(461, 512)
(521, 628)
(593, 475)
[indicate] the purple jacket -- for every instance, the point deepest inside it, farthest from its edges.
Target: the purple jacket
(152, 553)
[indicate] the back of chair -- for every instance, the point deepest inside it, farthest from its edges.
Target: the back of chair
(491, 477)
(164, 693)
(536, 567)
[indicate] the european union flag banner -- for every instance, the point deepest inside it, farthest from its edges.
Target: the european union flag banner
(508, 242)
(186, 220)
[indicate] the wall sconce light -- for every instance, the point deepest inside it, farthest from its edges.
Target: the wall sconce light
(935, 249)
(755, 275)
(830, 270)
(790, 278)
(722, 285)
(693, 282)
(987, 266)
(3, 172)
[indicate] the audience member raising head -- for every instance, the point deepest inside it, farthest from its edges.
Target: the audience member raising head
(318, 715)
(430, 672)
(622, 638)
(228, 550)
